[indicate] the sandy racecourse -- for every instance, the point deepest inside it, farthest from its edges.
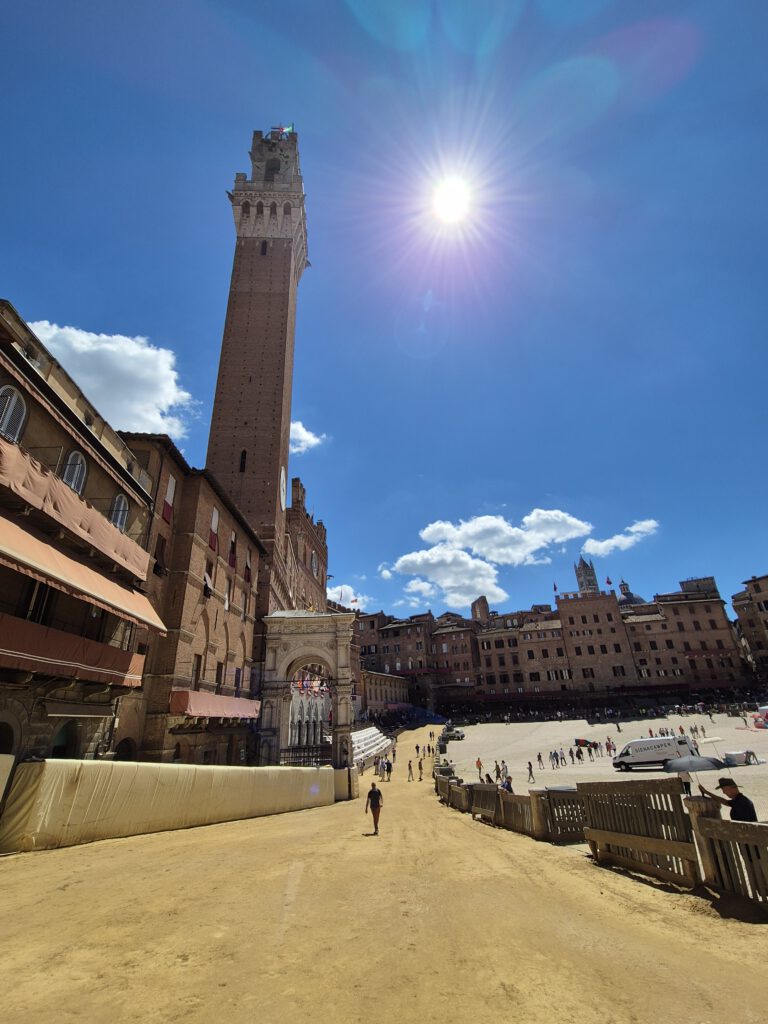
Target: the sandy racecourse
(302, 917)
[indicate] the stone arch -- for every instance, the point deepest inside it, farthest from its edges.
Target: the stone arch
(259, 209)
(297, 640)
(7, 738)
(126, 750)
(245, 210)
(66, 740)
(14, 716)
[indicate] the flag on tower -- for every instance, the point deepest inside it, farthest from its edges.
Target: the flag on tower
(608, 581)
(555, 586)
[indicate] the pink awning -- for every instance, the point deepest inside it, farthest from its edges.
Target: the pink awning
(201, 704)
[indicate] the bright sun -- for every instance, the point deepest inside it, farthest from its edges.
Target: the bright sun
(451, 200)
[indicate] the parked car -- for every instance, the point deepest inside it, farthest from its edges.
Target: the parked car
(453, 734)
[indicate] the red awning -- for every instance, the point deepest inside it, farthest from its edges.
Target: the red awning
(201, 704)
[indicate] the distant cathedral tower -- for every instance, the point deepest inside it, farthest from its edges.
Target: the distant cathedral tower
(250, 426)
(586, 577)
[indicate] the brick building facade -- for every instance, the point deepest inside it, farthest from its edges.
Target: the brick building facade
(74, 513)
(591, 645)
(751, 607)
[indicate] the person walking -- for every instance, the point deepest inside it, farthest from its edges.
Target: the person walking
(479, 766)
(504, 769)
(742, 808)
(421, 770)
(410, 771)
(374, 802)
(530, 772)
(389, 770)
(540, 759)
(497, 771)
(417, 750)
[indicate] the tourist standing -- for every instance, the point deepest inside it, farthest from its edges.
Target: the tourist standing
(479, 766)
(374, 801)
(421, 770)
(504, 769)
(497, 771)
(530, 772)
(410, 771)
(540, 759)
(389, 770)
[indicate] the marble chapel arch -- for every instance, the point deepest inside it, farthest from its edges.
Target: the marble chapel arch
(307, 687)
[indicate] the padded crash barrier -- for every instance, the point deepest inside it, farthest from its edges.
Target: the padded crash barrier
(67, 802)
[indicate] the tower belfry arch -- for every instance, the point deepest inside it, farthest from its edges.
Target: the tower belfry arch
(295, 639)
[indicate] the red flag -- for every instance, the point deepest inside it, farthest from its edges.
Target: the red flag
(555, 586)
(608, 581)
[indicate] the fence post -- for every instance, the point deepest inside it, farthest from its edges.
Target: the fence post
(539, 820)
(703, 807)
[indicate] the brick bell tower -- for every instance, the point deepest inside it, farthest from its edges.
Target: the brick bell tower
(249, 436)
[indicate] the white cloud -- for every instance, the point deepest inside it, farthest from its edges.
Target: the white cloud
(302, 439)
(630, 536)
(132, 383)
(460, 577)
(348, 596)
(498, 541)
(421, 587)
(384, 571)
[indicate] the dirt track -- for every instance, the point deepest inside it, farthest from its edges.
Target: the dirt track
(303, 917)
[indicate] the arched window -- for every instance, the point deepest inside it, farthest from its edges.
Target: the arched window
(13, 412)
(273, 209)
(243, 457)
(287, 209)
(73, 474)
(118, 514)
(245, 210)
(259, 209)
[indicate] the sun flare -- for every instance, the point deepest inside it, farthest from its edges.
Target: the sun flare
(451, 200)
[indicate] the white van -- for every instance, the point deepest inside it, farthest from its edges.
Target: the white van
(653, 751)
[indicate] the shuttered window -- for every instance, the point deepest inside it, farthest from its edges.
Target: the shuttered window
(213, 536)
(74, 472)
(170, 492)
(118, 514)
(13, 412)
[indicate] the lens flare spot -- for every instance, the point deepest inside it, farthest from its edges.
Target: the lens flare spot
(451, 200)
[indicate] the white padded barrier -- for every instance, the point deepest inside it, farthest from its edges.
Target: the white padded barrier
(64, 802)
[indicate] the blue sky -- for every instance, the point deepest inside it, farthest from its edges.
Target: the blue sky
(579, 362)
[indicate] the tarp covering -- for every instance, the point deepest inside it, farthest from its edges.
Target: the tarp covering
(64, 802)
(29, 551)
(200, 704)
(30, 647)
(39, 488)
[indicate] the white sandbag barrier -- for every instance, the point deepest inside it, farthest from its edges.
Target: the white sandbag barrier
(64, 803)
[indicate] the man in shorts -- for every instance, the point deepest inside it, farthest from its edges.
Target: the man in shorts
(374, 801)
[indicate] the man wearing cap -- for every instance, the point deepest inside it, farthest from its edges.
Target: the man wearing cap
(742, 808)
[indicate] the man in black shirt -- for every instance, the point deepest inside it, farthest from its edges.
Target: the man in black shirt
(374, 801)
(742, 808)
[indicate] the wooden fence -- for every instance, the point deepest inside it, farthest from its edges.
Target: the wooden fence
(515, 813)
(642, 826)
(565, 818)
(734, 856)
